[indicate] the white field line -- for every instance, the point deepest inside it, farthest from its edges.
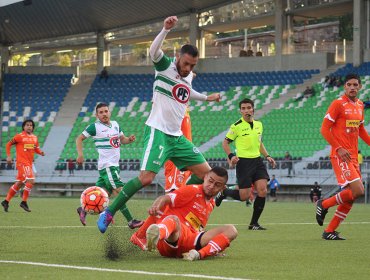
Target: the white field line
(121, 270)
(81, 227)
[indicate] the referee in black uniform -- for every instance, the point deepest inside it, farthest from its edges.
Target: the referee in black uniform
(250, 169)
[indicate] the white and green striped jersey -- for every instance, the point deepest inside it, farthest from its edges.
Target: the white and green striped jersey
(171, 94)
(107, 142)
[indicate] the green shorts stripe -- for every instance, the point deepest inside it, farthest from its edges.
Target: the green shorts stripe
(109, 179)
(148, 146)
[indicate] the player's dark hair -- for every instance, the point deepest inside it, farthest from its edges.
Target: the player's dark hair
(28, 121)
(220, 171)
(351, 76)
(246, 100)
(101, 104)
(189, 49)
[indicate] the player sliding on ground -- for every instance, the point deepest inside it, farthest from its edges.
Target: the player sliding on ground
(179, 232)
(163, 138)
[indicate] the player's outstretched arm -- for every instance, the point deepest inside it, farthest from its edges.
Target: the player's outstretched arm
(170, 22)
(155, 48)
(127, 140)
(214, 97)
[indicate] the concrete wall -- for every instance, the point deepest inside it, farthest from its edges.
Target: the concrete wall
(267, 63)
(43, 70)
(367, 55)
(215, 65)
(131, 69)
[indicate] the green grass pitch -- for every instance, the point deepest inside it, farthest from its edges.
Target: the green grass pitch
(50, 243)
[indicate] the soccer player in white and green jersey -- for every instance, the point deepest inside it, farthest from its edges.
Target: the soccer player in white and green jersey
(163, 138)
(108, 138)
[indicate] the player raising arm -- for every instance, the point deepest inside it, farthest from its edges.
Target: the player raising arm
(163, 138)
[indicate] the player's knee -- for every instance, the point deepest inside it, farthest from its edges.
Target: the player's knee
(175, 219)
(262, 192)
(30, 182)
(146, 180)
(358, 192)
(244, 194)
(231, 232)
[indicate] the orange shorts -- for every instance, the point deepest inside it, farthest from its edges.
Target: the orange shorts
(24, 172)
(188, 240)
(346, 172)
(175, 178)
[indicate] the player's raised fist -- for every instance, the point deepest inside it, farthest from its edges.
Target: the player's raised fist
(170, 22)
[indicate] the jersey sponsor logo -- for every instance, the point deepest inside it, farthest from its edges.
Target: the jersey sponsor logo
(115, 142)
(352, 123)
(29, 146)
(181, 93)
(194, 221)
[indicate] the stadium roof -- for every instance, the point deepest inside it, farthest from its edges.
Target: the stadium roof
(33, 20)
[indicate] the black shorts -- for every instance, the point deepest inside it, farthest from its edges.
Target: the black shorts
(249, 170)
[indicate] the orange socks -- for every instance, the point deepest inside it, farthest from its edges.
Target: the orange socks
(166, 227)
(217, 244)
(141, 232)
(12, 191)
(339, 216)
(26, 191)
(340, 198)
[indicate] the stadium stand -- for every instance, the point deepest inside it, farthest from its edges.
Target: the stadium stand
(129, 99)
(301, 122)
(34, 96)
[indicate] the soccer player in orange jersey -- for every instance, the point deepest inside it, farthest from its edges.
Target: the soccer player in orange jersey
(26, 145)
(342, 125)
(179, 232)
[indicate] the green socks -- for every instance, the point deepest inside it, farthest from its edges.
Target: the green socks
(127, 192)
(126, 213)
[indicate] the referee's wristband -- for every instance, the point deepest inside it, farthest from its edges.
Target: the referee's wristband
(231, 155)
(267, 156)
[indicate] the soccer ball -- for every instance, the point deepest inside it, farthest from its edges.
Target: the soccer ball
(94, 200)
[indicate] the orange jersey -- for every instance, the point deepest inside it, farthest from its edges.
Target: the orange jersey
(186, 126)
(190, 206)
(175, 178)
(347, 116)
(25, 146)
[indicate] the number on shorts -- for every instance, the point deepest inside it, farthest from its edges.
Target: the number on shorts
(162, 149)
